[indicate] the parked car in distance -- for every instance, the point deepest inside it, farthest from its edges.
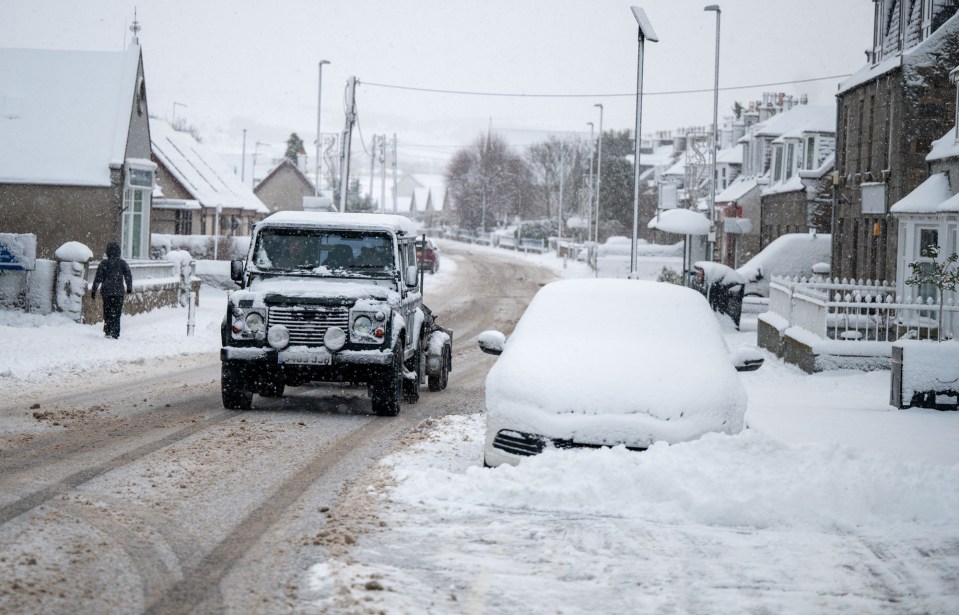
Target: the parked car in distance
(793, 254)
(604, 362)
(427, 255)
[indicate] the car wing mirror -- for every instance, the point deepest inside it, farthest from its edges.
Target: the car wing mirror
(411, 276)
(747, 359)
(236, 271)
(492, 342)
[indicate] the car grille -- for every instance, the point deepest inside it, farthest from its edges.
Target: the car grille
(527, 444)
(307, 326)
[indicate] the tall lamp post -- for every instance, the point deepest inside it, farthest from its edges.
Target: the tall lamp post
(599, 167)
(715, 144)
(319, 135)
(646, 32)
(592, 182)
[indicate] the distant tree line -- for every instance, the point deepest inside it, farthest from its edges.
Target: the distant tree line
(490, 185)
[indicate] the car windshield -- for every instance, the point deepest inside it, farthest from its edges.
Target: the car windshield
(324, 251)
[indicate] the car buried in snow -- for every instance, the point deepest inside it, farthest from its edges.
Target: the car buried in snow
(331, 297)
(606, 362)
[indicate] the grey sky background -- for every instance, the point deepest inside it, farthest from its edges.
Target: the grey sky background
(244, 64)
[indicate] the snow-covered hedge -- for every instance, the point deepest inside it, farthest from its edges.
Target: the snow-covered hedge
(199, 246)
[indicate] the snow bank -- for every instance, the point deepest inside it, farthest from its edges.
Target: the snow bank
(744, 481)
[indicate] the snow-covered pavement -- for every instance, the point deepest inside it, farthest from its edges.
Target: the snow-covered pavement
(831, 502)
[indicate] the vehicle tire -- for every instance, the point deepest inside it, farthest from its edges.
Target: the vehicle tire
(439, 382)
(411, 388)
(387, 389)
(233, 387)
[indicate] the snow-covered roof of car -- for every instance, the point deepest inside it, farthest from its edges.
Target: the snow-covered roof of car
(624, 348)
(398, 224)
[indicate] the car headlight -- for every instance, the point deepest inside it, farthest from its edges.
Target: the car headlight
(278, 336)
(363, 326)
(254, 322)
(334, 339)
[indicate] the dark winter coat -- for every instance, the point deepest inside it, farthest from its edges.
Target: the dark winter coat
(112, 273)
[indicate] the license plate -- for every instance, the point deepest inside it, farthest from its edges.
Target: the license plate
(300, 357)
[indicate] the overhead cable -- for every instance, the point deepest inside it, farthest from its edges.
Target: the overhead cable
(630, 94)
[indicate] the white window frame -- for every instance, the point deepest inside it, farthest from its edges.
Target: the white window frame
(777, 163)
(926, 19)
(812, 161)
(790, 161)
(139, 179)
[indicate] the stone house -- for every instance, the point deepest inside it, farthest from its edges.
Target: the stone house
(798, 194)
(738, 213)
(929, 215)
(75, 155)
(889, 113)
(284, 187)
(194, 186)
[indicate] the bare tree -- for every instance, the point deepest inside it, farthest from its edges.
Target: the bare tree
(488, 184)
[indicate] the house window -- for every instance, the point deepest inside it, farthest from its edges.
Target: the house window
(183, 222)
(811, 153)
(926, 20)
(778, 166)
(790, 159)
(878, 22)
(133, 227)
(927, 237)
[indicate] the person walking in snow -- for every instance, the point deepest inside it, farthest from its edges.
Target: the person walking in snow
(113, 274)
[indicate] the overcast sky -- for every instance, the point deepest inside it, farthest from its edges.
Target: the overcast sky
(247, 64)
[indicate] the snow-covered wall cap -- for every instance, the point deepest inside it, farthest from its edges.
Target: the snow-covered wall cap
(926, 198)
(680, 222)
(64, 115)
(388, 222)
(74, 251)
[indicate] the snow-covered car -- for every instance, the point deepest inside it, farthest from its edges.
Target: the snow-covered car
(605, 362)
(793, 255)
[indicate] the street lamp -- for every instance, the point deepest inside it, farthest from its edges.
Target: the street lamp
(319, 138)
(589, 209)
(599, 167)
(646, 32)
(715, 144)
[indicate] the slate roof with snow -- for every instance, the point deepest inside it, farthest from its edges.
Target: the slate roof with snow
(201, 172)
(800, 119)
(64, 115)
(932, 196)
(740, 187)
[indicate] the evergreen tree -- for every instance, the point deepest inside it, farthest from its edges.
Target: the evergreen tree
(294, 148)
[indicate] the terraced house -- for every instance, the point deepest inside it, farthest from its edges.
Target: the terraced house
(889, 114)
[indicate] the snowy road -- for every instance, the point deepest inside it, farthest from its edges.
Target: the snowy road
(131, 490)
(128, 489)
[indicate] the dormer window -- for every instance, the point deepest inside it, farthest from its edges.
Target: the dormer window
(790, 160)
(778, 164)
(811, 153)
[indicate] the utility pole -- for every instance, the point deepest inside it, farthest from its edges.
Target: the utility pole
(589, 209)
(372, 165)
(383, 173)
(347, 139)
(394, 173)
(319, 135)
(243, 160)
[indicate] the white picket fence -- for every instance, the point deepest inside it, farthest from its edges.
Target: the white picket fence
(849, 310)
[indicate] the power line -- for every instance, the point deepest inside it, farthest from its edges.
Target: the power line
(631, 94)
